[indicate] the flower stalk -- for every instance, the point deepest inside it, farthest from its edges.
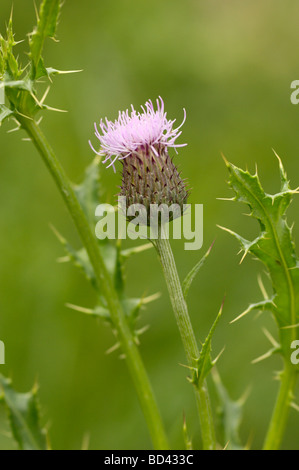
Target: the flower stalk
(281, 411)
(180, 309)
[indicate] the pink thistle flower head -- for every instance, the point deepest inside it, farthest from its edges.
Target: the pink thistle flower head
(131, 131)
(141, 141)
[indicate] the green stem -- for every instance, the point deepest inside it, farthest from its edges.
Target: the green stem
(187, 334)
(280, 414)
(133, 358)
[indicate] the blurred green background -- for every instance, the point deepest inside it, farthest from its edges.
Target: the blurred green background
(230, 64)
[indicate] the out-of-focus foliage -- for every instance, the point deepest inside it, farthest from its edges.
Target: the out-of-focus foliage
(23, 415)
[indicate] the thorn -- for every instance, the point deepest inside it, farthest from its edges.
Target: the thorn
(241, 316)
(225, 160)
(63, 259)
(294, 406)
(222, 305)
(14, 129)
(44, 96)
(211, 247)
(64, 72)
(244, 256)
(58, 235)
(89, 311)
(113, 348)
(151, 298)
(56, 109)
(259, 305)
(35, 99)
(194, 369)
(225, 198)
(270, 338)
(26, 139)
(262, 287)
(184, 420)
(36, 11)
(24, 115)
(11, 13)
(293, 267)
(225, 229)
(142, 330)
(263, 357)
(278, 158)
(290, 326)
(217, 357)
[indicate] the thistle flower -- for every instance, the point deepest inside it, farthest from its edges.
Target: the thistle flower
(141, 141)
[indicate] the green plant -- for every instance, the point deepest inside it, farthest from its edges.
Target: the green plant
(274, 247)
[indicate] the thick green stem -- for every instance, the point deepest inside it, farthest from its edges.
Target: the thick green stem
(133, 358)
(280, 414)
(187, 334)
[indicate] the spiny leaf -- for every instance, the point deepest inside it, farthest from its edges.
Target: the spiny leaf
(229, 415)
(274, 245)
(88, 192)
(266, 304)
(245, 244)
(46, 27)
(131, 308)
(4, 113)
(205, 362)
(190, 277)
(81, 259)
(23, 413)
(9, 67)
(19, 84)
